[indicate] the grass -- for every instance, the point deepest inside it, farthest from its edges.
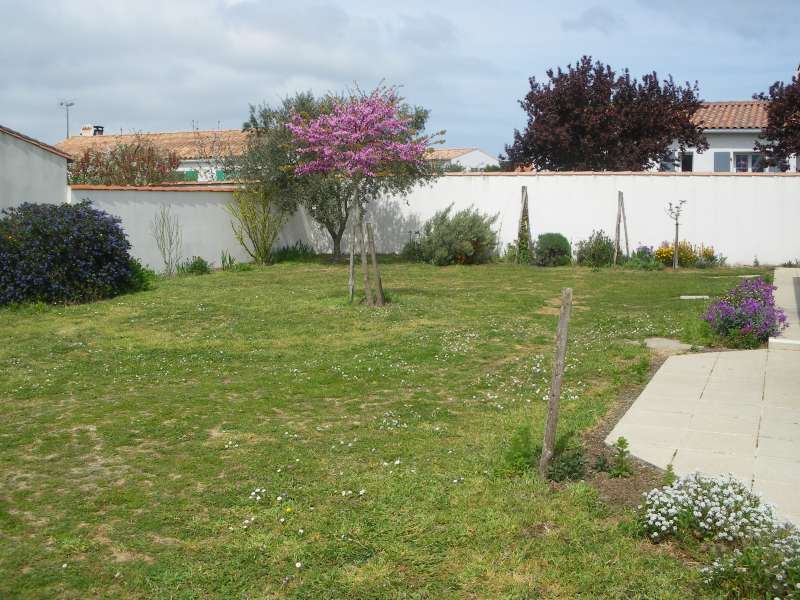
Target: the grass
(135, 429)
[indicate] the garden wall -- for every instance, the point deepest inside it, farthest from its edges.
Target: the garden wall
(742, 215)
(201, 211)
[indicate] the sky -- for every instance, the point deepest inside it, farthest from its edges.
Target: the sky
(143, 65)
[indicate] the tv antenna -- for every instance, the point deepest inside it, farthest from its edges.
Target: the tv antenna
(66, 104)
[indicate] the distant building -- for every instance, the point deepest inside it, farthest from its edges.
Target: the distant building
(468, 159)
(732, 129)
(202, 153)
(30, 170)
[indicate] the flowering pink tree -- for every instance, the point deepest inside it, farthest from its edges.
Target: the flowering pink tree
(375, 141)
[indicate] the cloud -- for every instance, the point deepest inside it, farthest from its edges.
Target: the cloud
(594, 18)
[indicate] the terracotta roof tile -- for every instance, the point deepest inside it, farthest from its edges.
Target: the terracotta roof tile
(448, 153)
(187, 145)
(746, 114)
(30, 140)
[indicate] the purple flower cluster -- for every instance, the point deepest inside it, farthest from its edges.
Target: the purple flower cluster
(362, 136)
(62, 253)
(747, 315)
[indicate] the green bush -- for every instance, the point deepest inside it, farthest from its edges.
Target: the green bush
(412, 251)
(142, 278)
(196, 265)
(465, 238)
(644, 258)
(597, 251)
(229, 263)
(552, 250)
(297, 251)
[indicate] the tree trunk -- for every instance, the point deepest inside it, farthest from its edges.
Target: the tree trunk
(675, 251)
(337, 245)
(378, 283)
(554, 400)
(364, 265)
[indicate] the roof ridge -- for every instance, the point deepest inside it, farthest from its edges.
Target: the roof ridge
(35, 142)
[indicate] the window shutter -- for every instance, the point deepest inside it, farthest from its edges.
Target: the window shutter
(722, 162)
(220, 175)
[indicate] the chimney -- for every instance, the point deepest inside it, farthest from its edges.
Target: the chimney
(91, 130)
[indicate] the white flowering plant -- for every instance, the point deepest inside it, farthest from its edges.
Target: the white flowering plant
(721, 509)
(768, 567)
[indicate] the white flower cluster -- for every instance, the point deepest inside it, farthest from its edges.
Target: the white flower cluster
(770, 563)
(719, 508)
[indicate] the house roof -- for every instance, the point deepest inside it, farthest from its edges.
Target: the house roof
(448, 153)
(737, 114)
(30, 140)
(187, 145)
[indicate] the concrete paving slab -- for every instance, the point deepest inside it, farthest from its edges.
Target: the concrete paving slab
(726, 412)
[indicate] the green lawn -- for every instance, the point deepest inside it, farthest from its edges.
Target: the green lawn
(135, 429)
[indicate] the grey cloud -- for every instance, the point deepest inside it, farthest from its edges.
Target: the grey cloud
(594, 18)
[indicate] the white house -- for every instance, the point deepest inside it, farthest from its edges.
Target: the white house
(470, 159)
(732, 129)
(30, 170)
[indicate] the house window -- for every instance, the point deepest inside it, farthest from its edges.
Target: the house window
(220, 175)
(687, 162)
(748, 163)
(741, 162)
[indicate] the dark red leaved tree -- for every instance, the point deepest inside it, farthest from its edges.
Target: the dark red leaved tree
(588, 118)
(782, 133)
(139, 162)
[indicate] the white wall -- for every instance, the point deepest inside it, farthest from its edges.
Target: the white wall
(30, 174)
(205, 224)
(742, 216)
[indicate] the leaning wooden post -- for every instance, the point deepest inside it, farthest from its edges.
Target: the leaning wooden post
(378, 285)
(616, 230)
(624, 224)
(364, 265)
(555, 383)
(351, 284)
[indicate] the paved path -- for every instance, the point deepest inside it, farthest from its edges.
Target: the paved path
(787, 296)
(726, 412)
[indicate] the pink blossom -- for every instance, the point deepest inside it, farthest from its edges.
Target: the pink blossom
(361, 136)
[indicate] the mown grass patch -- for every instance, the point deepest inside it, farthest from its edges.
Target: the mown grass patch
(135, 430)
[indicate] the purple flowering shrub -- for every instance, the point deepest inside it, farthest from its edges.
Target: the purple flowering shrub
(746, 316)
(63, 253)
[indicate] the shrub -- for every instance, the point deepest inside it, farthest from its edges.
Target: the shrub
(552, 250)
(768, 567)
(644, 258)
(722, 509)
(597, 251)
(297, 251)
(229, 263)
(746, 316)
(142, 278)
(63, 253)
(465, 238)
(687, 256)
(412, 251)
(196, 265)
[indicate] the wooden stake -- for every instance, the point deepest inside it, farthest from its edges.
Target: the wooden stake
(616, 230)
(625, 224)
(351, 284)
(554, 400)
(379, 301)
(364, 265)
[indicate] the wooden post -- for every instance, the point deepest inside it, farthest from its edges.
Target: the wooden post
(524, 218)
(364, 265)
(554, 400)
(616, 229)
(378, 284)
(625, 224)
(351, 284)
